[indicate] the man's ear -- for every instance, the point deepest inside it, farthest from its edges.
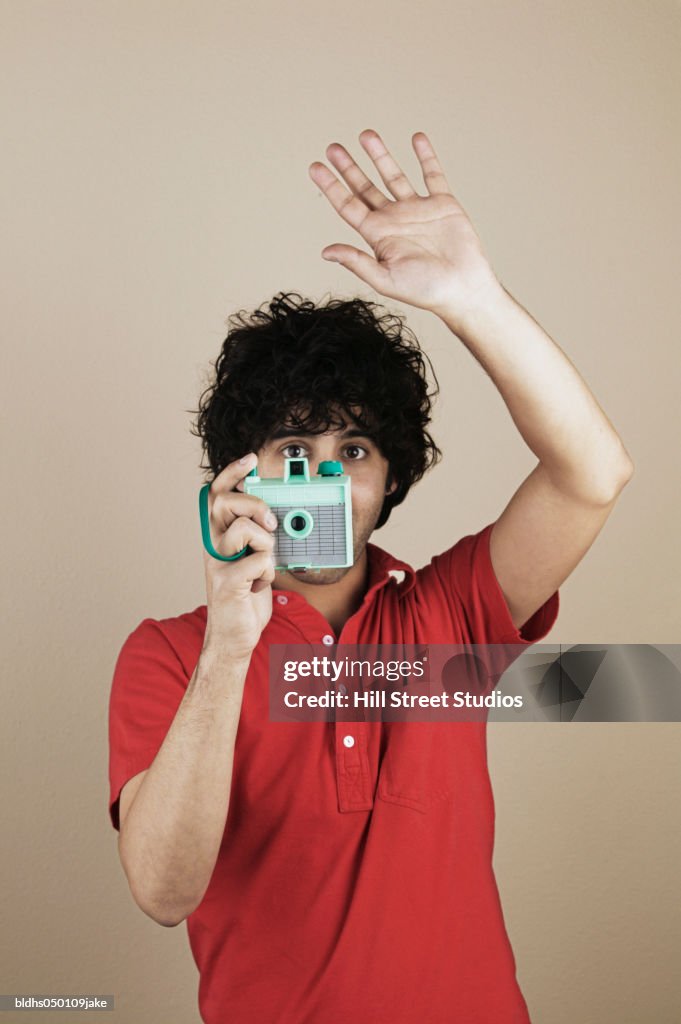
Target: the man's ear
(390, 484)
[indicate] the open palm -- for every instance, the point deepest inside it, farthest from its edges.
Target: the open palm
(425, 249)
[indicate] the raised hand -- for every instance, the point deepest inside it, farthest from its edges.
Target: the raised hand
(425, 249)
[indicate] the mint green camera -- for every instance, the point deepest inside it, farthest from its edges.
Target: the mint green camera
(314, 514)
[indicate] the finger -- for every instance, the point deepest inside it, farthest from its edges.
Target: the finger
(349, 207)
(229, 477)
(266, 579)
(253, 572)
(362, 186)
(360, 263)
(392, 174)
(241, 533)
(433, 175)
(227, 506)
(256, 569)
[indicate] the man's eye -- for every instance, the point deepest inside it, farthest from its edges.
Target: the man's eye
(293, 451)
(355, 451)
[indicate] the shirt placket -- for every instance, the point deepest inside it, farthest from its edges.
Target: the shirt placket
(353, 771)
(354, 784)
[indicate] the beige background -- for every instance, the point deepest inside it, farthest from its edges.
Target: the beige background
(155, 167)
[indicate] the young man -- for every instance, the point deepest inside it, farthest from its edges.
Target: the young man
(342, 871)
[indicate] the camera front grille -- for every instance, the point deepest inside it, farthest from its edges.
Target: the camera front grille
(325, 545)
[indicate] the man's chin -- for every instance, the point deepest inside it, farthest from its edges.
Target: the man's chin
(317, 577)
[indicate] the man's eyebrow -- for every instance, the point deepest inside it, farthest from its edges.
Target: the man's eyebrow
(283, 432)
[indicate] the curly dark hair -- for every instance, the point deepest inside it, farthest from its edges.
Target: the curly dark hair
(314, 367)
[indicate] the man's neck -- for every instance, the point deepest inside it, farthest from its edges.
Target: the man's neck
(335, 601)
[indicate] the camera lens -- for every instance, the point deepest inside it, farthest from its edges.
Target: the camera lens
(298, 524)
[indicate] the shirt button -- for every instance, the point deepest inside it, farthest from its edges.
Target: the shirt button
(328, 639)
(348, 741)
(282, 599)
(342, 689)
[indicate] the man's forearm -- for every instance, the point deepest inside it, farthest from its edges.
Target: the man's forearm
(551, 405)
(171, 837)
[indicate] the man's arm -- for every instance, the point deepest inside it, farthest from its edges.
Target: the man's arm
(426, 253)
(173, 817)
(172, 824)
(558, 511)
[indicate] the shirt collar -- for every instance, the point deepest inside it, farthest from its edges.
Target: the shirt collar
(383, 567)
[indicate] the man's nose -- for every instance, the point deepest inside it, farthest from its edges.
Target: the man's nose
(325, 450)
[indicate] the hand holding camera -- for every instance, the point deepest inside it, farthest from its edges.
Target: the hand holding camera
(238, 589)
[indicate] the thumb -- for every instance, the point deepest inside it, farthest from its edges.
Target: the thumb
(360, 263)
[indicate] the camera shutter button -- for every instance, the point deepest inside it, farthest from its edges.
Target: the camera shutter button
(330, 467)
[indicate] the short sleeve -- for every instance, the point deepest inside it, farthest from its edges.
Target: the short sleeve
(148, 685)
(467, 579)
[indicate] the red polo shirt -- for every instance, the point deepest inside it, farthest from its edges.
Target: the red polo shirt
(354, 884)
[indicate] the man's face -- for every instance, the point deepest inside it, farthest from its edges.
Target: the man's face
(362, 462)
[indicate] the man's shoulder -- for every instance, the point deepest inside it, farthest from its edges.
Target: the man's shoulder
(383, 566)
(183, 632)
(458, 559)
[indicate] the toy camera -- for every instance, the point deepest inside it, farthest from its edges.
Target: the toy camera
(314, 514)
